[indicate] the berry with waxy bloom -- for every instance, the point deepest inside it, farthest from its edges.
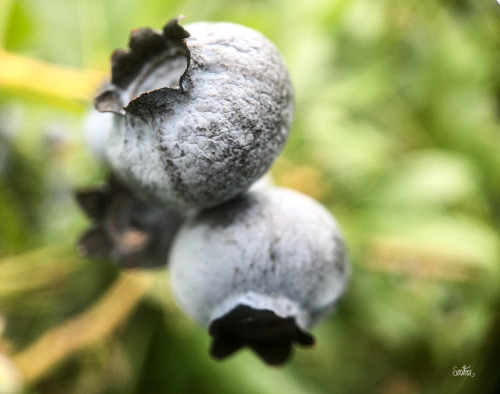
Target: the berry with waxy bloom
(259, 271)
(200, 112)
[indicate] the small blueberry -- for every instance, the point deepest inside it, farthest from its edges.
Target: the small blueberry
(259, 271)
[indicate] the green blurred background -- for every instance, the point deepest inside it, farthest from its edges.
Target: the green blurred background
(396, 130)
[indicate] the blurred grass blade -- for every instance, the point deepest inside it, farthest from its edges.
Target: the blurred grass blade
(36, 270)
(94, 324)
(60, 82)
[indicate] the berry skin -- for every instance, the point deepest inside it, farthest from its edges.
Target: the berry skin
(200, 113)
(259, 271)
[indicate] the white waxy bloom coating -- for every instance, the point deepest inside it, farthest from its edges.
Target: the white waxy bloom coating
(272, 249)
(201, 140)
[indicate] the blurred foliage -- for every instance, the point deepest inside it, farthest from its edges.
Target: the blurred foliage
(396, 130)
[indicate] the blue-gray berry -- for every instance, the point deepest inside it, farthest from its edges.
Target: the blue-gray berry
(259, 271)
(201, 112)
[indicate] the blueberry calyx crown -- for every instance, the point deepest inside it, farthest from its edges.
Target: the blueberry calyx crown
(145, 45)
(267, 334)
(125, 229)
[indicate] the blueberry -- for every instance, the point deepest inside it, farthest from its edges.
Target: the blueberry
(259, 271)
(200, 113)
